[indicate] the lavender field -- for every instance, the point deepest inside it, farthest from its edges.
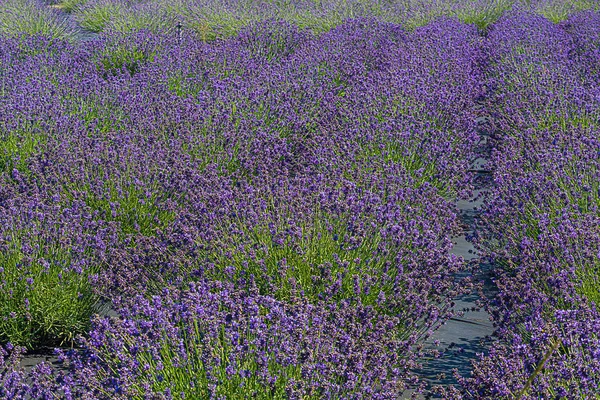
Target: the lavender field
(313, 199)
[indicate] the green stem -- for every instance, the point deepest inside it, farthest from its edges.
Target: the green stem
(538, 369)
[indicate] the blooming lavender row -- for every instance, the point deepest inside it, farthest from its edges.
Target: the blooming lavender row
(270, 214)
(541, 224)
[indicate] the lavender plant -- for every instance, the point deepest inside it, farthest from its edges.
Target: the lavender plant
(95, 16)
(18, 17)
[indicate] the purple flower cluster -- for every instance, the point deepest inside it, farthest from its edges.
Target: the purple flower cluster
(269, 214)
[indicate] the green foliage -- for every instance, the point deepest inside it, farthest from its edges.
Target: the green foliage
(18, 17)
(96, 17)
(16, 147)
(589, 277)
(106, 116)
(211, 25)
(483, 16)
(559, 10)
(121, 57)
(422, 12)
(70, 6)
(156, 18)
(288, 257)
(314, 22)
(42, 301)
(134, 208)
(393, 152)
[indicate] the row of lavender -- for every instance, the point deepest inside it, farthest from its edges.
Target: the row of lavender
(212, 19)
(541, 225)
(222, 18)
(269, 215)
